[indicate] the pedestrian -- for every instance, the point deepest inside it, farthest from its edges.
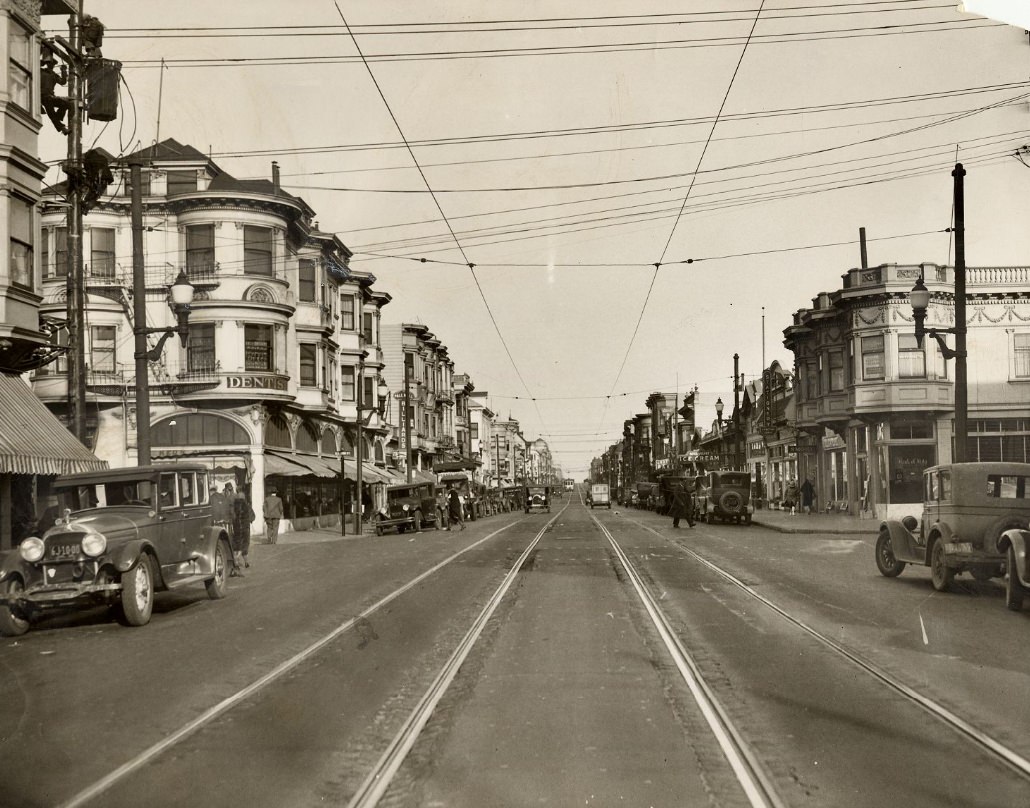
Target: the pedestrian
(441, 509)
(807, 496)
(679, 507)
(790, 495)
(242, 518)
(273, 512)
(454, 508)
(221, 504)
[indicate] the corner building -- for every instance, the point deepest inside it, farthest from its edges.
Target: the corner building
(283, 335)
(874, 409)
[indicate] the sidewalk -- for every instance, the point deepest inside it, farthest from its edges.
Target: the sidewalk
(815, 522)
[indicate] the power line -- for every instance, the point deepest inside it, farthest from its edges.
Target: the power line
(686, 196)
(617, 47)
(436, 201)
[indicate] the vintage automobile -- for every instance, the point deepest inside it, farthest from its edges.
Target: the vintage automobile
(967, 509)
(125, 534)
(408, 505)
(1015, 544)
(726, 496)
(538, 498)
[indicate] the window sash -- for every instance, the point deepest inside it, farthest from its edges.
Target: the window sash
(306, 287)
(347, 382)
(873, 364)
(200, 350)
(181, 182)
(911, 358)
(200, 248)
(258, 347)
(19, 68)
(1021, 345)
(347, 313)
(60, 252)
(102, 256)
(102, 346)
(19, 223)
(308, 364)
(257, 250)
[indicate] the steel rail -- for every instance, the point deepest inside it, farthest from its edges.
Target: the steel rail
(104, 783)
(379, 778)
(1008, 756)
(755, 781)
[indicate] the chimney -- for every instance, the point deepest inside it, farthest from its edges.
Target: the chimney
(275, 176)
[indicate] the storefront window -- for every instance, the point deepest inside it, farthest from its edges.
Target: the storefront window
(907, 464)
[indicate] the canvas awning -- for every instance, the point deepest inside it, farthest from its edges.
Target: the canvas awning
(275, 464)
(32, 440)
(453, 476)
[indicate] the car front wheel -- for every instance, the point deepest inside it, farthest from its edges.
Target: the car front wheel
(138, 593)
(1014, 590)
(12, 624)
(216, 585)
(940, 573)
(886, 562)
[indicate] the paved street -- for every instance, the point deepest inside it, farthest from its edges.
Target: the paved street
(289, 691)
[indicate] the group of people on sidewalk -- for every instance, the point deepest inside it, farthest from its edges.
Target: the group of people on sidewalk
(807, 494)
(232, 510)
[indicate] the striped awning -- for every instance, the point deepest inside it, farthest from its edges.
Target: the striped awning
(32, 440)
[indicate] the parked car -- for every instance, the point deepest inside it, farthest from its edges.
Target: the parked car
(600, 495)
(1016, 546)
(971, 515)
(726, 496)
(408, 505)
(537, 498)
(124, 534)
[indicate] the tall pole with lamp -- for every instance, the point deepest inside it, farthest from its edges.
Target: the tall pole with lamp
(919, 297)
(719, 407)
(381, 392)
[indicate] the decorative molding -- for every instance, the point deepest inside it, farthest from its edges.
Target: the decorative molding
(880, 315)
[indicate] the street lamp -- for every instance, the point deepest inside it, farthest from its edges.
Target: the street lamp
(180, 300)
(719, 407)
(920, 296)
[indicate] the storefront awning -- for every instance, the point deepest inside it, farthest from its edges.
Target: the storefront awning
(456, 465)
(274, 464)
(32, 440)
(452, 476)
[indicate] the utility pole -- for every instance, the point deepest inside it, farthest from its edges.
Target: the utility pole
(409, 360)
(139, 316)
(75, 280)
(736, 412)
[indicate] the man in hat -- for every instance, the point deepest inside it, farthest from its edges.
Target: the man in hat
(273, 513)
(54, 105)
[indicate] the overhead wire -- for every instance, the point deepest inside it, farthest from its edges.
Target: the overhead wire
(436, 201)
(906, 29)
(686, 196)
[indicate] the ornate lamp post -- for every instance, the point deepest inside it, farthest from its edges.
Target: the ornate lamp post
(180, 299)
(919, 297)
(719, 407)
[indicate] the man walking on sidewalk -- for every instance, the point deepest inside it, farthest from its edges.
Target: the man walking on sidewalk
(273, 513)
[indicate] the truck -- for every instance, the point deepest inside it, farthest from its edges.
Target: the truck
(600, 495)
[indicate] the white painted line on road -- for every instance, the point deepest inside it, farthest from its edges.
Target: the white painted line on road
(144, 757)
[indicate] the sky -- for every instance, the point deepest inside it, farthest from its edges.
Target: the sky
(566, 148)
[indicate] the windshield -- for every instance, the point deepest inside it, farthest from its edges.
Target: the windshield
(103, 495)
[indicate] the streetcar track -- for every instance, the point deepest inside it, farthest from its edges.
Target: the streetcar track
(109, 780)
(1012, 759)
(751, 775)
(379, 778)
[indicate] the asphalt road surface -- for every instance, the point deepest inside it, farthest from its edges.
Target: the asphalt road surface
(572, 658)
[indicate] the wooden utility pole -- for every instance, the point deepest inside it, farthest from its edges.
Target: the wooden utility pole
(75, 280)
(139, 316)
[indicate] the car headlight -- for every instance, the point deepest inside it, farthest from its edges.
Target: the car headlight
(32, 549)
(93, 544)
(404, 508)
